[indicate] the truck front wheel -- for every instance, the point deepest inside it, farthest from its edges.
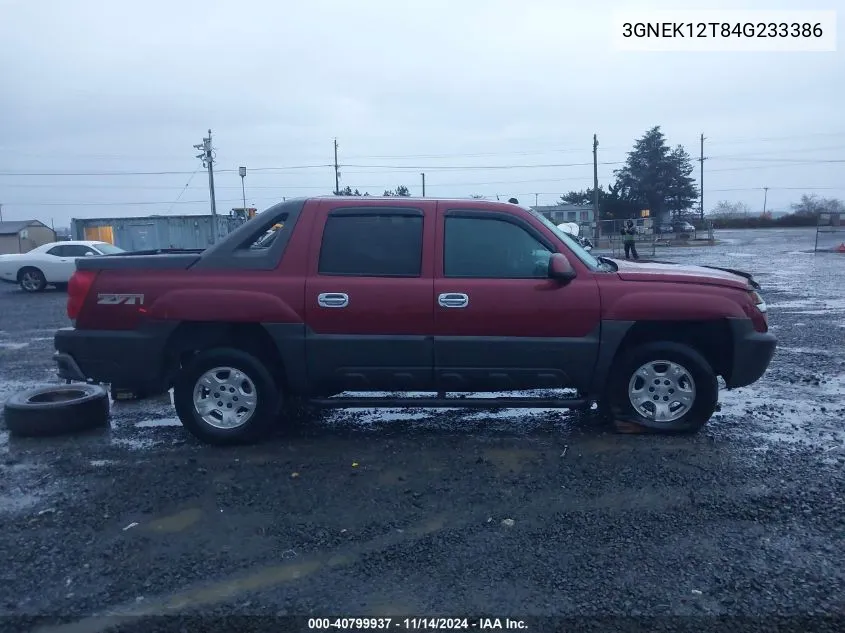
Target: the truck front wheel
(225, 396)
(664, 387)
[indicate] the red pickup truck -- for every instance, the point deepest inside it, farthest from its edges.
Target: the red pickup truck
(410, 295)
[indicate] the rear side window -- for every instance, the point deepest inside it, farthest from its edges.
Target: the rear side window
(57, 251)
(265, 239)
(77, 250)
(372, 244)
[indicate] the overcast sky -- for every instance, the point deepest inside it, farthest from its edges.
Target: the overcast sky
(485, 96)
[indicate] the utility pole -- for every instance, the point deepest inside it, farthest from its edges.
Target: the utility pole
(207, 158)
(765, 198)
(242, 174)
(596, 185)
(701, 181)
(336, 171)
(1, 211)
(536, 199)
(422, 173)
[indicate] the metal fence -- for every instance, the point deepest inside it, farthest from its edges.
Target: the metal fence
(650, 237)
(830, 234)
(610, 238)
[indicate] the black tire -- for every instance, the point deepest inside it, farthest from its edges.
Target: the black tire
(268, 404)
(57, 410)
(31, 279)
(706, 387)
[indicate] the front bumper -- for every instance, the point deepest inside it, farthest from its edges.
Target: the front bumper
(131, 359)
(752, 353)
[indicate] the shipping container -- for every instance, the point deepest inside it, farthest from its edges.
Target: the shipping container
(155, 231)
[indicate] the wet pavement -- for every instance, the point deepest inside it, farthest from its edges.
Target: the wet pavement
(421, 512)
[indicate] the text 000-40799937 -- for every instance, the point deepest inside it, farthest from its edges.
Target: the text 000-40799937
(415, 623)
(725, 31)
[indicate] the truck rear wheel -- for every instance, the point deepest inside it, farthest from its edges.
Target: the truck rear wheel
(664, 387)
(226, 396)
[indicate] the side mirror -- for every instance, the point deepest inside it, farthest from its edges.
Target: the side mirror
(560, 268)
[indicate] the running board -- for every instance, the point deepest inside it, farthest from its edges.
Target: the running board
(451, 403)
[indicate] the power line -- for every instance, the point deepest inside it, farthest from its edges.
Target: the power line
(778, 189)
(122, 204)
(455, 185)
(403, 168)
(151, 173)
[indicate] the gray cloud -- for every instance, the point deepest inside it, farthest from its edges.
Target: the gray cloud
(92, 86)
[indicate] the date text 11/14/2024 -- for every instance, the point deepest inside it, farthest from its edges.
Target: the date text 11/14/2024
(416, 624)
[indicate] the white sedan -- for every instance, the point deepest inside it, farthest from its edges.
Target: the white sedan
(51, 263)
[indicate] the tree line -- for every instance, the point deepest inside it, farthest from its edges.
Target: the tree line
(738, 215)
(400, 191)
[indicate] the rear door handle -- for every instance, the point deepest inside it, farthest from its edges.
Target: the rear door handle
(453, 300)
(333, 299)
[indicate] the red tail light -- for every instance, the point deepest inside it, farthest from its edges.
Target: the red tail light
(77, 289)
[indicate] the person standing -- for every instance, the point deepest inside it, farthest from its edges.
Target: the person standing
(628, 233)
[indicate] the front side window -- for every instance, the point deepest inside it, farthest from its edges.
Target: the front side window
(579, 251)
(372, 244)
(492, 249)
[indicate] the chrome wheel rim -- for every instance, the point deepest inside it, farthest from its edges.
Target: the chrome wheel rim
(225, 398)
(30, 281)
(662, 391)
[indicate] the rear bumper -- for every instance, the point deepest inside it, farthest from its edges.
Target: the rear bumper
(131, 359)
(752, 353)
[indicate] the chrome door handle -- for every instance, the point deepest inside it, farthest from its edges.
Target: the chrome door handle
(333, 299)
(453, 300)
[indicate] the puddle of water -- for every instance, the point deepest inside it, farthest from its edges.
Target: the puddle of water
(137, 443)
(777, 419)
(810, 312)
(516, 416)
(14, 503)
(806, 350)
(13, 346)
(99, 463)
(156, 422)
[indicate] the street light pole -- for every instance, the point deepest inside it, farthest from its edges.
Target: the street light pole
(242, 174)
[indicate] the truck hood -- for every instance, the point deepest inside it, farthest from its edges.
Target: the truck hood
(682, 273)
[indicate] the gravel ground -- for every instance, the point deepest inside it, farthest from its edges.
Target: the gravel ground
(408, 513)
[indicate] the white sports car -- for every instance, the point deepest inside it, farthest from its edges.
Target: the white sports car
(51, 263)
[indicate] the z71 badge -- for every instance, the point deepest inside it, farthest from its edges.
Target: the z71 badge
(113, 300)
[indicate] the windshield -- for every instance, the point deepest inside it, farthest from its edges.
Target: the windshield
(571, 243)
(108, 249)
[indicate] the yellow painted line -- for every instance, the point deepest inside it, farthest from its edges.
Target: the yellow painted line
(224, 590)
(176, 522)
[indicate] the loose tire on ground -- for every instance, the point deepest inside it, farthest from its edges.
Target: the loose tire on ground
(32, 280)
(234, 390)
(56, 410)
(692, 365)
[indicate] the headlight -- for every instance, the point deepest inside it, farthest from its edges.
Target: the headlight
(758, 301)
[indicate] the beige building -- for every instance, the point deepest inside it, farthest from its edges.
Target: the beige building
(23, 236)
